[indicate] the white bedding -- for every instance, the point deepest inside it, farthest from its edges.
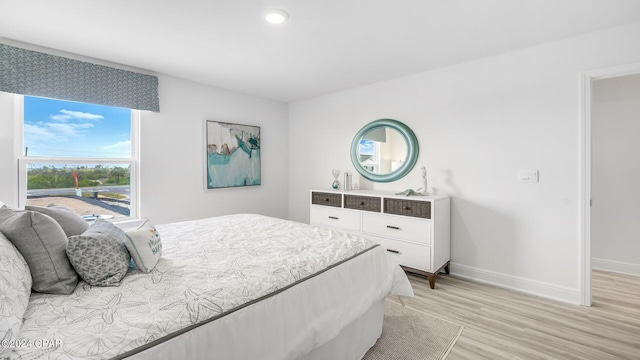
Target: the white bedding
(215, 269)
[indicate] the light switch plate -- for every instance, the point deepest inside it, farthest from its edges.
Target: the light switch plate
(528, 176)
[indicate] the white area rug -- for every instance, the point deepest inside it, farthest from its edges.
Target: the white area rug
(409, 334)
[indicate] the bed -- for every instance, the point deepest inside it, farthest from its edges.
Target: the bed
(231, 287)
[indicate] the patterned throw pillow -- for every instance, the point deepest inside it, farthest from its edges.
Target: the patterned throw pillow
(71, 223)
(42, 243)
(15, 288)
(144, 246)
(99, 254)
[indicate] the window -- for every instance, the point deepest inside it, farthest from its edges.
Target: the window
(79, 155)
(370, 155)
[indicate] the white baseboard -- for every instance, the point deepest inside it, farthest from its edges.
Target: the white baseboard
(528, 286)
(615, 266)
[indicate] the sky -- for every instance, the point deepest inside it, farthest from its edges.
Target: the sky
(366, 147)
(56, 128)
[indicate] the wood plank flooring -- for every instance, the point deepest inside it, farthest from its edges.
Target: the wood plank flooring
(502, 324)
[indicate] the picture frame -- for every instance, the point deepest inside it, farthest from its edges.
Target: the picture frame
(232, 155)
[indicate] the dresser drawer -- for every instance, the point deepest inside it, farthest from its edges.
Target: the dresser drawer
(367, 203)
(412, 255)
(413, 208)
(326, 199)
(405, 228)
(333, 217)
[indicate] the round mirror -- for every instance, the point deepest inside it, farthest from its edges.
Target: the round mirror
(384, 150)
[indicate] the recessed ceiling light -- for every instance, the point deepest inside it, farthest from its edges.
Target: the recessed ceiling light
(276, 16)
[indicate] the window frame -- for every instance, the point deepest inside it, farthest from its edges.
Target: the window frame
(378, 155)
(133, 161)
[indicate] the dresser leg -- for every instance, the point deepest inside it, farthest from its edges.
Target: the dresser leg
(432, 280)
(446, 268)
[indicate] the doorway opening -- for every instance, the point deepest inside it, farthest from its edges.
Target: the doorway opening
(586, 158)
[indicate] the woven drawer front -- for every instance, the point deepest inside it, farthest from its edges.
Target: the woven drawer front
(368, 203)
(421, 209)
(327, 199)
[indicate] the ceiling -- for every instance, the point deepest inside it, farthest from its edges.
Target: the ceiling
(326, 46)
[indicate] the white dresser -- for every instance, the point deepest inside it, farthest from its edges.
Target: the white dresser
(414, 229)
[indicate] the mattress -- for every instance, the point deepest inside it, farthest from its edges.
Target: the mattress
(232, 287)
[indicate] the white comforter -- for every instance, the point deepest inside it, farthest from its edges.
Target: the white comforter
(218, 269)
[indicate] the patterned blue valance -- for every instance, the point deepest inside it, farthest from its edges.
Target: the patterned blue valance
(34, 73)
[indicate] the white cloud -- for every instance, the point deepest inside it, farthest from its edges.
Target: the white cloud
(121, 147)
(45, 137)
(37, 133)
(68, 115)
(42, 132)
(70, 130)
(59, 117)
(82, 115)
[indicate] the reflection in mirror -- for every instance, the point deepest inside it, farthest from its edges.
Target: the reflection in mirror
(382, 150)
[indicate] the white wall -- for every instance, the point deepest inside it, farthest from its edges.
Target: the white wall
(172, 154)
(8, 162)
(615, 190)
(478, 123)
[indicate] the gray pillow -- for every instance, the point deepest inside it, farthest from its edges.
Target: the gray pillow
(42, 243)
(71, 223)
(15, 288)
(99, 254)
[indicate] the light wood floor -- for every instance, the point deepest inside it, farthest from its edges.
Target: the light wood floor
(501, 324)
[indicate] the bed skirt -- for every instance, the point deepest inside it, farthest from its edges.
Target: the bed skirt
(350, 344)
(354, 340)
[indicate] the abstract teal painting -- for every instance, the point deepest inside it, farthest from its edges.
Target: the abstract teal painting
(233, 155)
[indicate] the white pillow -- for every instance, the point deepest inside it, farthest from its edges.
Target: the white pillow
(15, 288)
(145, 246)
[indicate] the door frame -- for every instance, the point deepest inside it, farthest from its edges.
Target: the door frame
(586, 81)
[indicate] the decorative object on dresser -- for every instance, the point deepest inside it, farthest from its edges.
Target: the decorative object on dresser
(415, 229)
(347, 181)
(425, 189)
(335, 184)
(409, 192)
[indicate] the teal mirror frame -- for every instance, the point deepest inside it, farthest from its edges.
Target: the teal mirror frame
(408, 164)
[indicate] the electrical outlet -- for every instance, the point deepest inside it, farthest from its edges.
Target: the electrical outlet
(528, 176)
